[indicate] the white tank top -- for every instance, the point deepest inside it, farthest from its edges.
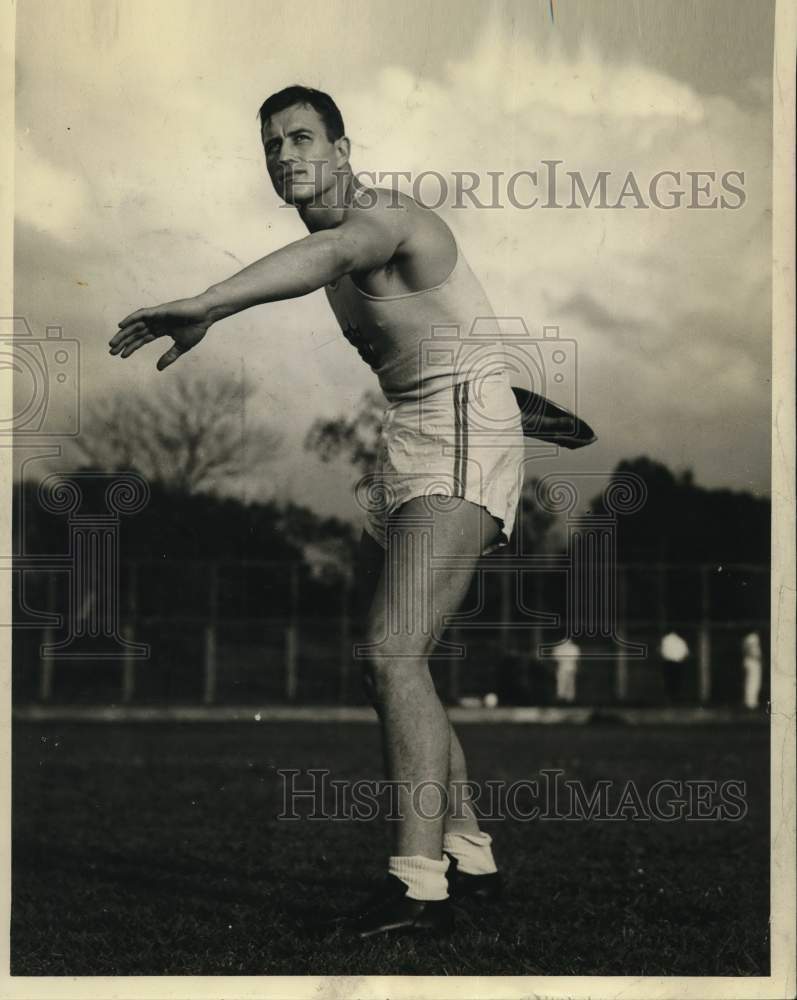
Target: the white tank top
(422, 342)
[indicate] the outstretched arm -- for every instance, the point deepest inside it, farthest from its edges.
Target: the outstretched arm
(363, 241)
(302, 267)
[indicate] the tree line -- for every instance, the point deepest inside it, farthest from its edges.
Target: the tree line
(187, 440)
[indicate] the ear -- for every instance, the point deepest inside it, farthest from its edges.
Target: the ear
(343, 150)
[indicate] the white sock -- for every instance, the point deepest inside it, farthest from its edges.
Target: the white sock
(472, 851)
(424, 877)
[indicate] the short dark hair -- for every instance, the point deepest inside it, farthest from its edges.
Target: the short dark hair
(322, 103)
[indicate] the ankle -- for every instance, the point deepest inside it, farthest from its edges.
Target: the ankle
(424, 877)
(471, 851)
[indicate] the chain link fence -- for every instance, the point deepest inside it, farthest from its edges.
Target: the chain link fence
(219, 633)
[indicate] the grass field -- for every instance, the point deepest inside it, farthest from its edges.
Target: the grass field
(153, 849)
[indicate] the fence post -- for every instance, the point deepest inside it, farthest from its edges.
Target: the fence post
(129, 634)
(209, 690)
(292, 641)
(621, 678)
(47, 662)
(704, 653)
(507, 578)
(661, 599)
(345, 644)
(536, 631)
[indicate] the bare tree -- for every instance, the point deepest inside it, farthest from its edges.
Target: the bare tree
(354, 437)
(189, 434)
(536, 523)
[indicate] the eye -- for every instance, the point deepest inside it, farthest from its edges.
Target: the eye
(303, 138)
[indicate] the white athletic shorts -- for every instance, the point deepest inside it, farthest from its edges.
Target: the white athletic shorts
(463, 441)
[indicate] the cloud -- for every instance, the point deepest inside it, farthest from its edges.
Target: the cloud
(139, 171)
(670, 309)
(50, 198)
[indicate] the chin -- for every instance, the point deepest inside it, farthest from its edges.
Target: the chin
(302, 196)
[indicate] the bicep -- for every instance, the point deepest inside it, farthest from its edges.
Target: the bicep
(369, 241)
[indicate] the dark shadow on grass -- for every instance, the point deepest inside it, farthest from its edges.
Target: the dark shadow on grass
(301, 900)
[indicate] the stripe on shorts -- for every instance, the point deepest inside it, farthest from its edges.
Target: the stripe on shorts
(460, 437)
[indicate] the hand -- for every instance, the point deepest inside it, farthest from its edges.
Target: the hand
(186, 321)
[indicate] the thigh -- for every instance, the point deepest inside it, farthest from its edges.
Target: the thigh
(433, 547)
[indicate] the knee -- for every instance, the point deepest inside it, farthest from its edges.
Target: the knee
(377, 680)
(386, 676)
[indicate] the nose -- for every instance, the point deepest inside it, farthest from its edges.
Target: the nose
(279, 157)
(287, 152)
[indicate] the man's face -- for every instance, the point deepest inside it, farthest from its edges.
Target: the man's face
(300, 159)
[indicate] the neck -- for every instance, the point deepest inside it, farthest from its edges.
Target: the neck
(328, 211)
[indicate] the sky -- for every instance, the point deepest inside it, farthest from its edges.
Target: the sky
(140, 178)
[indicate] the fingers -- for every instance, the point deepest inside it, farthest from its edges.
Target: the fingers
(133, 344)
(118, 341)
(135, 317)
(138, 329)
(147, 338)
(169, 357)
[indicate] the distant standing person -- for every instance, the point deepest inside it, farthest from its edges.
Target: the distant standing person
(566, 658)
(751, 664)
(674, 653)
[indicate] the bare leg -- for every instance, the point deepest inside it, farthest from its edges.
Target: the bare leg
(404, 617)
(460, 817)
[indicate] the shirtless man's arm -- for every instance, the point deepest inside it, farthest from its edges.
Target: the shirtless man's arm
(366, 239)
(390, 246)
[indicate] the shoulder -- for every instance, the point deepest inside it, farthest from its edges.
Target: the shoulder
(397, 203)
(401, 214)
(381, 207)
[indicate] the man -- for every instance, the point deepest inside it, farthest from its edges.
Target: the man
(751, 664)
(673, 653)
(394, 275)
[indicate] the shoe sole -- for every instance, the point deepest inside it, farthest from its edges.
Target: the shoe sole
(398, 929)
(473, 897)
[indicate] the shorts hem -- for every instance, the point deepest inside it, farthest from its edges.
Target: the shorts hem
(501, 541)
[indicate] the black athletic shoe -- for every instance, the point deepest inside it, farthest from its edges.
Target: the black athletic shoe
(391, 911)
(482, 888)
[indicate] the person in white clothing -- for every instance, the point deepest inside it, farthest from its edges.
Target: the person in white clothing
(566, 659)
(751, 664)
(674, 652)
